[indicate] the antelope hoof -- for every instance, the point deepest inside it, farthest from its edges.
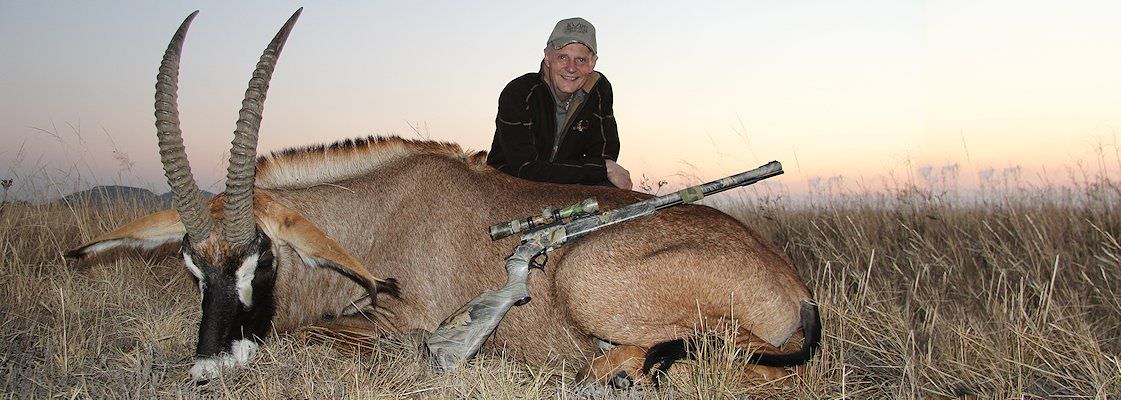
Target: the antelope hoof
(621, 380)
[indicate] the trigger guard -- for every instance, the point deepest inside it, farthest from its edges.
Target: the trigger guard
(539, 265)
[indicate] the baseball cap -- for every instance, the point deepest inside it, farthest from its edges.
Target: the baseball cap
(573, 30)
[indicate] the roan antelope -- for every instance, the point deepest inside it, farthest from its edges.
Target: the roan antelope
(395, 229)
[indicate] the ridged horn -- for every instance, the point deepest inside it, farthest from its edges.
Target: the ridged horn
(238, 226)
(185, 193)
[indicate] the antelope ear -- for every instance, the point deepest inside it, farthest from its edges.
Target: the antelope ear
(148, 232)
(314, 247)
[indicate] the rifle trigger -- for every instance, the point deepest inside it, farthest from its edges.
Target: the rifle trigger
(533, 263)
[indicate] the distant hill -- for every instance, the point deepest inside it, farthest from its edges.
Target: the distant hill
(103, 196)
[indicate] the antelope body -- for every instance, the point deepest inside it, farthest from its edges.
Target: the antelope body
(394, 230)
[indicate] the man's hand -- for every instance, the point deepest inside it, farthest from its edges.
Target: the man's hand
(618, 175)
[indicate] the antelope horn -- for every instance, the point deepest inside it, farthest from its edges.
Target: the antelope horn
(238, 226)
(185, 193)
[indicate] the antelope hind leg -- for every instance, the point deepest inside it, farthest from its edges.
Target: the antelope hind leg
(776, 376)
(620, 367)
(762, 374)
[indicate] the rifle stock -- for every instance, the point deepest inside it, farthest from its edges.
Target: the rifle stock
(461, 335)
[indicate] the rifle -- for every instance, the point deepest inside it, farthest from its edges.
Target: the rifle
(461, 335)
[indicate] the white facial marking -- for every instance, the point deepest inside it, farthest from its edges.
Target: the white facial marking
(194, 271)
(245, 280)
(210, 367)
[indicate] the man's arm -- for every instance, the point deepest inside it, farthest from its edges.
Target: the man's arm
(609, 132)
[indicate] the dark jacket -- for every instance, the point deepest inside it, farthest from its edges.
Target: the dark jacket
(526, 126)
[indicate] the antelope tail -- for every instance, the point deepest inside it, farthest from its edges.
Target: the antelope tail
(811, 329)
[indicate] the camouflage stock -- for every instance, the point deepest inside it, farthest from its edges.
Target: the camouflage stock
(548, 216)
(462, 334)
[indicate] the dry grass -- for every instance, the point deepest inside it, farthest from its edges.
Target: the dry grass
(1007, 297)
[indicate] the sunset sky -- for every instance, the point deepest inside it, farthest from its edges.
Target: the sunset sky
(860, 89)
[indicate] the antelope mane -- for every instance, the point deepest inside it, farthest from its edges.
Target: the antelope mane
(304, 167)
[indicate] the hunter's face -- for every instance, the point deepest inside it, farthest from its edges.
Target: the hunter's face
(569, 68)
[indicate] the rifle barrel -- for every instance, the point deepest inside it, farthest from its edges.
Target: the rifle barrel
(695, 193)
(692, 194)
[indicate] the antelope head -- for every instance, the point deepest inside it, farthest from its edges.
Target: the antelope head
(228, 244)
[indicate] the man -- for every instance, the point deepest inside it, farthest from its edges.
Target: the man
(557, 125)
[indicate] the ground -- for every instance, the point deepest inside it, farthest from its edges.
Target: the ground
(1009, 296)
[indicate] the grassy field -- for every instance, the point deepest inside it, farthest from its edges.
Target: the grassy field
(1011, 295)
